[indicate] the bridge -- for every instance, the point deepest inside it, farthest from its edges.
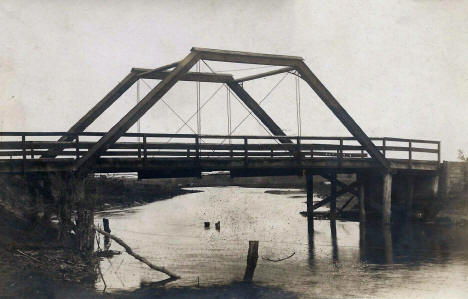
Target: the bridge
(77, 153)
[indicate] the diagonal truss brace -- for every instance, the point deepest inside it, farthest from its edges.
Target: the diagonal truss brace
(95, 112)
(340, 113)
(85, 163)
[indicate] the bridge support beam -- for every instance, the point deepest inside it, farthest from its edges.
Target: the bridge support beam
(310, 201)
(69, 195)
(386, 198)
(409, 197)
(333, 195)
(84, 216)
(362, 197)
(62, 187)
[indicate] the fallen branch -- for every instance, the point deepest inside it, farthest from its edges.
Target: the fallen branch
(278, 260)
(28, 256)
(138, 257)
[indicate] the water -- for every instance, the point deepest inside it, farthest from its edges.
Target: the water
(341, 260)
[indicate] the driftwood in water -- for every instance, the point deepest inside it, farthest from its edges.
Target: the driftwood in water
(135, 255)
(278, 260)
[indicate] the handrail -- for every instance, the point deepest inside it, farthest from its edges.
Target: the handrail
(168, 135)
(199, 148)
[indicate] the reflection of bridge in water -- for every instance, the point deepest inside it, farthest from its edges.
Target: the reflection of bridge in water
(376, 161)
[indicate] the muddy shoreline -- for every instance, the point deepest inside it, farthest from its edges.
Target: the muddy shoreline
(35, 265)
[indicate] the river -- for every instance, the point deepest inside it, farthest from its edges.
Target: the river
(341, 260)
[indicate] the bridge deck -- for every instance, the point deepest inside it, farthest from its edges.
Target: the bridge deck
(28, 152)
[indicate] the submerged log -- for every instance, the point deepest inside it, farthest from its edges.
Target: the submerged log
(135, 255)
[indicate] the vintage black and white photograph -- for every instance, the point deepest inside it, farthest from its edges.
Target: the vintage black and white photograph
(234, 149)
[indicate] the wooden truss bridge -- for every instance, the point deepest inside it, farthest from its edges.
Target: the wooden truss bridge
(183, 155)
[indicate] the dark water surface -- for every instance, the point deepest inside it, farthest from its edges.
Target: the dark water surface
(339, 260)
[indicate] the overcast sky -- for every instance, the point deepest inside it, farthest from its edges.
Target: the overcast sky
(400, 68)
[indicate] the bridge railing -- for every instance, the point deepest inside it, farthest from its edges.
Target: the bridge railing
(34, 145)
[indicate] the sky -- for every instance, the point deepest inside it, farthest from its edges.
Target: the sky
(400, 68)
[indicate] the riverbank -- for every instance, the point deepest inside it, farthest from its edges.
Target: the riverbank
(34, 263)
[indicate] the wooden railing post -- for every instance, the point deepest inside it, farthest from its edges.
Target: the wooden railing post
(341, 150)
(438, 152)
(410, 153)
(246, 151)
(77, 146)
(384, 145)
(298, 149)
(145, 150)
(197, 148)
(23, 144)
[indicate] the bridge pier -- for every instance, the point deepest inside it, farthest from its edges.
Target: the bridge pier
(69, 195)
(409, 197)
(84, 217)
(362, 195)
(333, 196)
(61, 184)
(387, 198)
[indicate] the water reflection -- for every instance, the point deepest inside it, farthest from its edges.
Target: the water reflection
(334, 240)
(338, 259)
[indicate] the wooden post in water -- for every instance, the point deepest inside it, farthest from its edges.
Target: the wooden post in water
(334, 240)
(362, 241)
(388, 244)
(387, 198)
(310, 200)
(252, 258)
(105, 225)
